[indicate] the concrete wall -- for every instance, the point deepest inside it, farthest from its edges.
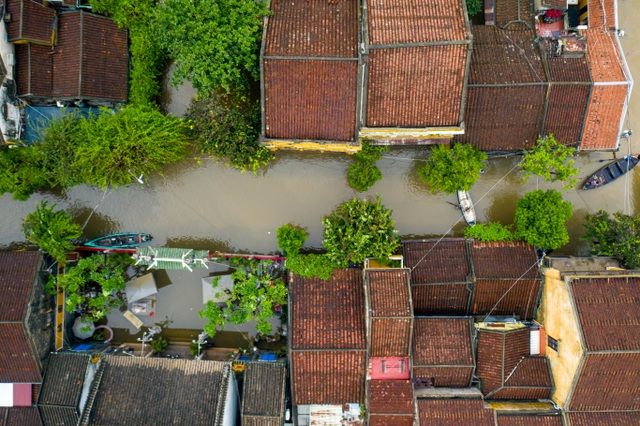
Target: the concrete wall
(557, 314)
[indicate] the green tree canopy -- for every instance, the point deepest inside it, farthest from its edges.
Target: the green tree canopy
(358, 229)
(491, 231)
(21, 172)
(215, 43)
(616, 236)
(94, 286)
(291, 238)
(254, 296)
(53, 231)
(474, 7)
(363, 172)
(541, 219)
(451, 169)
(550, 160)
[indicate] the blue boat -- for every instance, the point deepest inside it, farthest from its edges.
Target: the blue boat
(611, 172)
(120, 241)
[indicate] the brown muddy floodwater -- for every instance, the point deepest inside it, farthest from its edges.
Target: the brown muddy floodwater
(215, 207)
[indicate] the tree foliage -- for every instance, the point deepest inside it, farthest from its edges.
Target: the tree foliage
(21, 172)
(358, 229)
(254, 296)
(52, 231)
(215, 44)
(291, 238)
(147, 56)
(550, 160)
(228, 126)
(94, 286)
(449, 169)
(363, 172)
(474, 7)
(491, 231)
(541, 219)
(616, 236)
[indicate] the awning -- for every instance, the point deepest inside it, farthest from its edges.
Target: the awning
(141, 287)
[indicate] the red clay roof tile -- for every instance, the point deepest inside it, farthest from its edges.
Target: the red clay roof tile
(18, 271)
(431, 261)
(454, 412)
(529, 420)
(34, 70)
(601, 418)
(440, 299)
(414, 21)
(389, 292)
(390, 397)
(506, 297)
(442, 352)
(504, 260)
(510, 13)
(566, 112)
(604, 115)
(328, 377)
(608, 312)
(328, 314)
(386, 420)
(604, 57)
(30, 21)
(303, 96)
(23, 416)
(390, 337)
(416, 86)
(17, 364)
(312, 28)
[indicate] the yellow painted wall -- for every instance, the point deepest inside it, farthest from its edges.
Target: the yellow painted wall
(557, 315)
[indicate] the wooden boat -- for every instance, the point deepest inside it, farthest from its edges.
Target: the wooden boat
(466, 207)
(611, 172)
(119, 241)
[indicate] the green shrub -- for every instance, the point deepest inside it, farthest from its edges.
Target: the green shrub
(541, 219)
(552, 161)
(358, 229)
(363, 172)
(311, 265)
(52, 231)
(291, 238)
(474, 7)
(215, 44)
(491, 231)
(21, 172)
(228, 126)
(451, 169)
(159, 344)
(617, 236)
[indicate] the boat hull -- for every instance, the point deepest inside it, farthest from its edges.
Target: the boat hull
(610, 172)
(466, 207)
(120, 241)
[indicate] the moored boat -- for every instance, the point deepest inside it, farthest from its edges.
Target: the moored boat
(611, 172)
(466, 207)
(119, 241)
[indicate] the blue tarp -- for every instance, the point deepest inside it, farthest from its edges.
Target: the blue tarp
(38, 117)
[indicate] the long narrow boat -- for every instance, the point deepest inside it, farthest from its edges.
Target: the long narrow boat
(611, 172)
(120, 241)
(466, 207)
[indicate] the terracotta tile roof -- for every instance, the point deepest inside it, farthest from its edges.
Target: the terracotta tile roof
(604, 114)
(18, 271)
(505, 368)
(566, 112)
(509, 12)
(390, 397)
(328, 314)
(302, 96)
(263, 394)
(602, 14)
(504, 260)
(442, 352)
(23, 416)
(506, 297)
(382, 420)
(416, 86)
(388, 292)
(312, 28)
(440, 299)
(529, 420)
(608, 313)
(30, 21)
(604, 57)
(91, 59)
(328, 377)
(562, 68)
(602, 418)
(454, 412)
(17, 362)
(412, 21)
(608, 381)
(390, 337)
(511, 124)
(34, 70)
(505, 57)
(154, 391)
(444, 262)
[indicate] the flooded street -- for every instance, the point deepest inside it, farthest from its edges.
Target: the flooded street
(211, 206)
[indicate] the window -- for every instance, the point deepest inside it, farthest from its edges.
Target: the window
(552, 343)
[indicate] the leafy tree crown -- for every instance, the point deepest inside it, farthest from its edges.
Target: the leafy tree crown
(449, 169)
(541, 219)
(617, 236)
(550, 160)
